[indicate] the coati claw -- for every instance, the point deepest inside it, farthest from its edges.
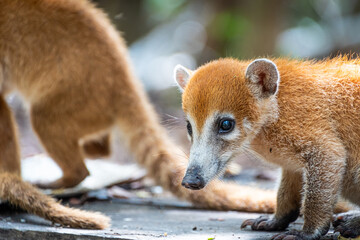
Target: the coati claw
(256, 224)
(246, 223)
(260, 224)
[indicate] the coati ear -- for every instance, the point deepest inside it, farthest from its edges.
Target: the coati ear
(262, 78)
(182, 76)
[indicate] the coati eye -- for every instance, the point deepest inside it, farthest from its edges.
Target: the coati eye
(226, 125)
(189, 129)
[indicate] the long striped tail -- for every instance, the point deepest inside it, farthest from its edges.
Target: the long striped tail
(27, 197)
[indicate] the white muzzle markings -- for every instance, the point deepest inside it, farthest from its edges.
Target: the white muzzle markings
(208, 153)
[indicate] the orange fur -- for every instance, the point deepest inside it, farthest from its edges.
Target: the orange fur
(71, 67)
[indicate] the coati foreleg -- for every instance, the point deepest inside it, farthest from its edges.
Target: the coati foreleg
(288, 205)
(324, 171)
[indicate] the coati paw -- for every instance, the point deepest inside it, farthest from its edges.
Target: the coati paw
(273, 224)
(264, 224)
(347, 224)
(295, 235)
(344, 217)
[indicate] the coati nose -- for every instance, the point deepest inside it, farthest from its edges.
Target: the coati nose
(193, 182)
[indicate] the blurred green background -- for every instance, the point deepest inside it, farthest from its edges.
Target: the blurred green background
(163, 33)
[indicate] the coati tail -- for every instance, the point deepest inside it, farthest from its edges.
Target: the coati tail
(27, 197)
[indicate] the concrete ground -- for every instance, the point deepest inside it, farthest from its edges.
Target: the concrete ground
(136, 219)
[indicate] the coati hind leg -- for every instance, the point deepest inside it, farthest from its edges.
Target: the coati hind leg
(60, 138)
(9, 149)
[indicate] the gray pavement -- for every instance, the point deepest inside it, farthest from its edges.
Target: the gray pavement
(135, 219)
